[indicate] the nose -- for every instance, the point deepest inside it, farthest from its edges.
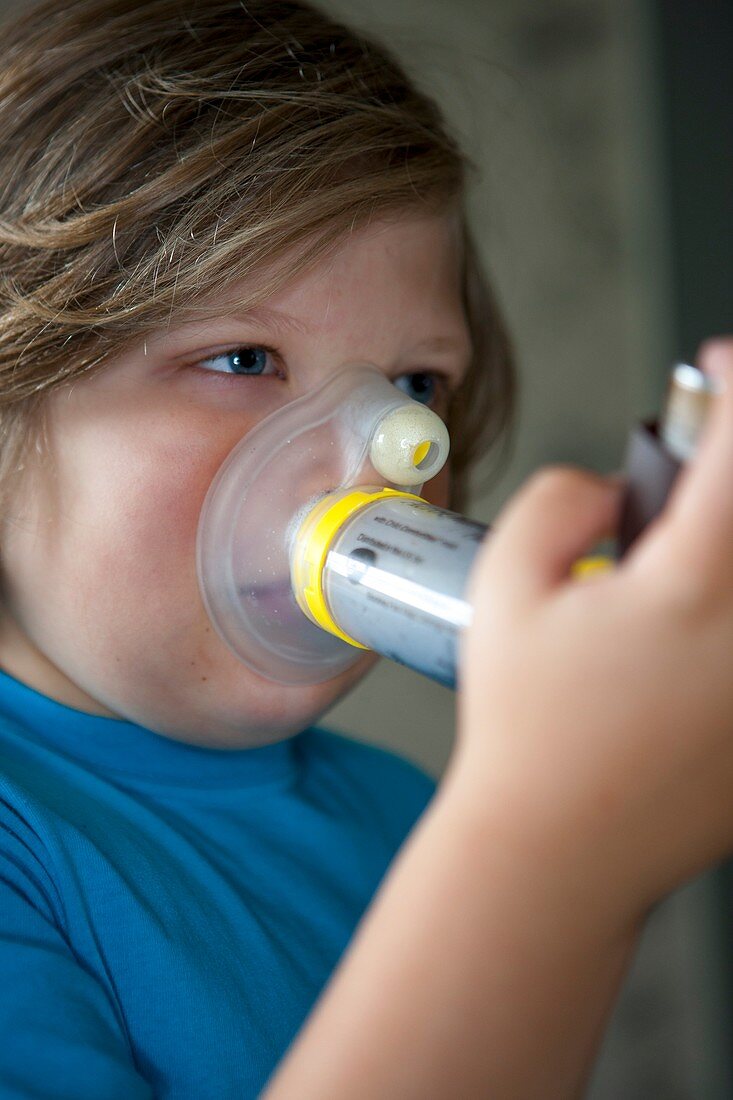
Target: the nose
(314, 373)
(317, 463)
(321, 458)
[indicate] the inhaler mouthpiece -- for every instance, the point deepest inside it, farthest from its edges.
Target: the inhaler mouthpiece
(357, 430)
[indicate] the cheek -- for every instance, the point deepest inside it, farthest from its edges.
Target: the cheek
(104, 576)
(126, 505)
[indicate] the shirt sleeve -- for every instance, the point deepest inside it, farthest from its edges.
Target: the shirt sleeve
(60, 1038)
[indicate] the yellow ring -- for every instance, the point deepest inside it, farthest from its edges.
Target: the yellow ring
(313, 541)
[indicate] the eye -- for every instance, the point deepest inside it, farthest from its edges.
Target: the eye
(247, 359)
(421, 386)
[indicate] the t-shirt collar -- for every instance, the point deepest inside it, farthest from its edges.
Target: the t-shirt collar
(117, 746)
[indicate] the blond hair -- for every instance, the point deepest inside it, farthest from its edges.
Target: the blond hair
(153, 149)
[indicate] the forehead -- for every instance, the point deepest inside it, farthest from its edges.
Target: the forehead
(407, 268)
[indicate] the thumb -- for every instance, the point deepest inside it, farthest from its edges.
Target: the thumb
(559, 514)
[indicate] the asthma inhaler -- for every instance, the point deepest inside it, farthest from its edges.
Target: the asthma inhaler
(390, 572)
(314, 544)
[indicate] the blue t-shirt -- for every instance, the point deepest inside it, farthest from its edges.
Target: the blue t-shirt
(170, 913)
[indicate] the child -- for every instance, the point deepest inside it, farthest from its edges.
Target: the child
(207, 208)
(195, 192)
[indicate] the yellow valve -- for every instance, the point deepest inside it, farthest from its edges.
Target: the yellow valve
(420, 452)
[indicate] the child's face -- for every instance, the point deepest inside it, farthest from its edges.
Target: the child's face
(103, 610)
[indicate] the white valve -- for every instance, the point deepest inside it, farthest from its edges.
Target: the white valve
(410, 445)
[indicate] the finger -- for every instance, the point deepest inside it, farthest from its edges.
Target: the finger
(560, 513)
(696, 529)
(715, 355)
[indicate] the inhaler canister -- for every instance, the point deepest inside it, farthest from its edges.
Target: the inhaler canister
(658, 449)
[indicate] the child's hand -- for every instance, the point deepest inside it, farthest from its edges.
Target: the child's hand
(599, 712)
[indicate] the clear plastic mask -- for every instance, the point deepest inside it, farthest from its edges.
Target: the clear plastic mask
(357, 429)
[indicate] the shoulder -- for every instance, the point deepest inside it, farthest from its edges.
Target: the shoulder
(397, 785)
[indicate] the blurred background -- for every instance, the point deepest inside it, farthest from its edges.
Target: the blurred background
(602, 132)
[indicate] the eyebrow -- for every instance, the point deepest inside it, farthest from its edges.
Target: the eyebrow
(282, 322)
(285, 322)
(442, 343)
